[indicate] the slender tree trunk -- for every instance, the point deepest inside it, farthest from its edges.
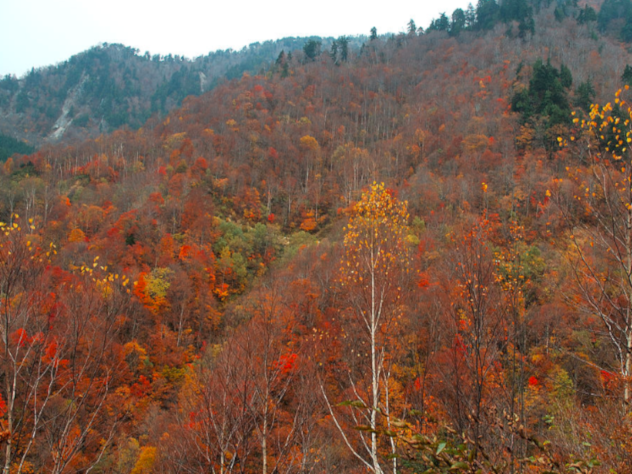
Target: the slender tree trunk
(11, 394)
(8, 449)
(374, 374)
(264, 445)
(376, 465)
(387, 413)
(628, 348)
(628, 366)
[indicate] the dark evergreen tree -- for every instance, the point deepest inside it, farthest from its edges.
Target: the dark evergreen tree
(312, 50)
(626, 31)
(546, 96)
(585, 95)
(511, 10)
(22, 102)
(343, 46)
(626, 77)
(412, 28)
(443, 24)
(522, 103)
(440, 24)
(566, 78)
(526, 25)
(286, 70)
(586, 15)
(281, 59)
(486, 14)
(470, 17)
(373, 34)
(458, 22)
(334, 51)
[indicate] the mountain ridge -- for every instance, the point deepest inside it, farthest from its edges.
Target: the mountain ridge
(114, 85)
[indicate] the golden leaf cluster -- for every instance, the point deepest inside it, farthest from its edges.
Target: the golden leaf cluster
(375, 237)
(606, 126)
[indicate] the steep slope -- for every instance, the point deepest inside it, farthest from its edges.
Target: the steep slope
(110, 86)
(208, 257)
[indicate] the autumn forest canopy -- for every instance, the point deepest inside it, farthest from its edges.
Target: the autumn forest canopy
(406, 253)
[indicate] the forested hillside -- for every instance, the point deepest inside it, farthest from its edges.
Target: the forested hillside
(413, 256)
(111, 85)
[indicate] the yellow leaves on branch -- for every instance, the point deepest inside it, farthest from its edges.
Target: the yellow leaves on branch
(375, 238)
(76, 235)
(309, 143)
(607, 128)
(146, 460)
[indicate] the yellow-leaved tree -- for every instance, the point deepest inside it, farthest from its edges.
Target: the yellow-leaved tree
(601, 229)
(374, 263)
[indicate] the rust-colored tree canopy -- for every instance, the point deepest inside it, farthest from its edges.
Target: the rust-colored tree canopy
(403, 254)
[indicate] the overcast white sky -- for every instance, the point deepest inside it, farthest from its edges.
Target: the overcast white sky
(38, 33)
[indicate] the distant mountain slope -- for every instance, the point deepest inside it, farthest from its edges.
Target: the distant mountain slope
(112, 85)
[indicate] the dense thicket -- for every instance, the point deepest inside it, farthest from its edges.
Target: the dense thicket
(231, 288)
